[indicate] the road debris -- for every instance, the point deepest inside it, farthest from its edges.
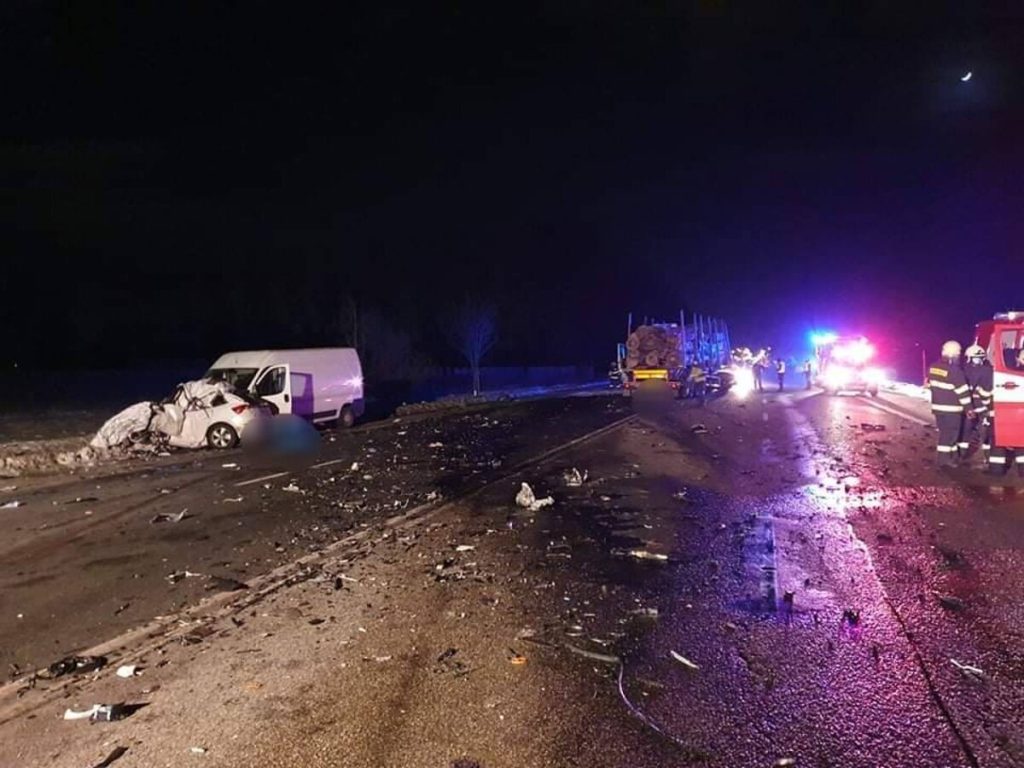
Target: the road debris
(698, 429)
(526, 498)
(8, 488)
(784, 762)
(234, 499)
(868, 427)
(167, 517)
(127, 670)
(968, 669)
(446, 662)
(683, 660)
(436, 445)
(229, 465)
(604, 658)
(100, 713)
(643, 554)
(197, 750)
(81, 500)
(114, 756)
(465, 548)
(291, 488)
(573, 478)
(949, 602)
(76, 665)
(177, 576)
(12, 504)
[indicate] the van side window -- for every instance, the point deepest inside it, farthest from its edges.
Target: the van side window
(1008, 348)
(272, 382)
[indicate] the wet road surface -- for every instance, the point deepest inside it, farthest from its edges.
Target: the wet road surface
(782, 580)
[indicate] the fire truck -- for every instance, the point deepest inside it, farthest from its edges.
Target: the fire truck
(846, 364)
(1002, 337)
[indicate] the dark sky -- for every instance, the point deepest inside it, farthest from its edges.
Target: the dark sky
(178, 181)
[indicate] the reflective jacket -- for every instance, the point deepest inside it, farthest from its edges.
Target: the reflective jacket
(979, 379)
(696, 375)
(949, 388)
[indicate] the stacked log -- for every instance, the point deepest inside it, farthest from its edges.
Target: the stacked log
(655, 346)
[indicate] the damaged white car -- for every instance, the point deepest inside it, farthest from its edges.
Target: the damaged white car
(198, 414)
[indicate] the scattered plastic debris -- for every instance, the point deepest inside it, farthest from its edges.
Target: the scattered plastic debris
(526, 498)
(604, 658)
(291, 488)
(867, 427)
(517, 659)
(949, 602)
(574, 478)
(433, 496)
(698, 429)
(177, 576)
(465, 548)
(851, 617)
(436, 445)
(234, 499)
(8, 488)
(354, 467)
(784, 762)
(643, 554)
(967, 669)
(229, 465)
(76, 665)
(81, 500)
(127, 670)
(198, 750)
(167, 517)
(12, 505)
(99, 713)
(683, 660)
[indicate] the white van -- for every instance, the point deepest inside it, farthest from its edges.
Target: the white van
(321, 385)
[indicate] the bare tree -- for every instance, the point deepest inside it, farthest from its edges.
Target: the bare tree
(472, 330)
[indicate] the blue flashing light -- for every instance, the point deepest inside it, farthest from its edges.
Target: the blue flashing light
(820, 338)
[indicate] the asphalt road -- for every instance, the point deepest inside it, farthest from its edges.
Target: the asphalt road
(781, 580)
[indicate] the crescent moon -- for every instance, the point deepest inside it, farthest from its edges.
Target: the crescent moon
(966, 77)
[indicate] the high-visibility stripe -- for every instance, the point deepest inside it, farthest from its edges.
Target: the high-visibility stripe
(961, 389)
(986, 447)
(984, 392)
(945, 448)
(996, 459)
(1019, 459)
(948, 408)
(941, 385)
(963, 446)
(965, 401)
(938, 372)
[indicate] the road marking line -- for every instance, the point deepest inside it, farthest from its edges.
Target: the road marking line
(901, 414)
(328, 463)
(260, 479)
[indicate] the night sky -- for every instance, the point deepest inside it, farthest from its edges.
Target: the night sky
(179, 182)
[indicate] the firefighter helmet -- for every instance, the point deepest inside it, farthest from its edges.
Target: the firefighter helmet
(951, 350)
(974, 351)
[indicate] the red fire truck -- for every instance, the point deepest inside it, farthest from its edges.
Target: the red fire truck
(1003, 337)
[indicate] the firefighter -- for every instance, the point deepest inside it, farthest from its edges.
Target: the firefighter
(998, 457)
(978, 373)
(758, 374)
(808, 372)
(950, 398)
(696, 383)
(780, 371)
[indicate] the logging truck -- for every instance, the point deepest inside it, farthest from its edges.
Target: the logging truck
(658, 354)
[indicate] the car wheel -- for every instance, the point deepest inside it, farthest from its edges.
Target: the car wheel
(221, 436)
(346, 418)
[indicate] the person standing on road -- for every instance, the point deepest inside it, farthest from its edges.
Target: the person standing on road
(978, 373)
(758, 374)
(950, 398)
(808, 372)
(780, 371)
(696, 383)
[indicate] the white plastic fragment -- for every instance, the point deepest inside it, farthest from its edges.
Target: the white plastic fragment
(230, 465)
(291, 488)
(436, 445)
(84, 714)
(198, 750)
(465, 548)
(643, 554)
(233, 500)
(528, 499)
(968, 669)
(127, 670)
(9, 488)
(13, 505)
(574, 478)
(354, 467)
(683, 660)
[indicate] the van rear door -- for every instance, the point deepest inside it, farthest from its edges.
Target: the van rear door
(274, 386)
(1008, 393)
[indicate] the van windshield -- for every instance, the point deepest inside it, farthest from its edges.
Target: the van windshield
(238, 378)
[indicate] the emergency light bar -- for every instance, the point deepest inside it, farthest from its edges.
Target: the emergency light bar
(1013, 315)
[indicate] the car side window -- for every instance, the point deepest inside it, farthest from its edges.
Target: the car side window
(1008, 349)
(272, 382)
